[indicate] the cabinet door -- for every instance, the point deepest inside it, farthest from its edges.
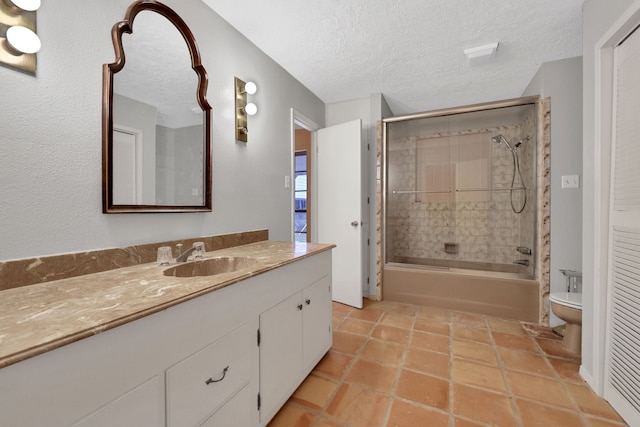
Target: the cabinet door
(141, 407)
(280, 354)
(316, 322)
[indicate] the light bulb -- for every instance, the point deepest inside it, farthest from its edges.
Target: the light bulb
(28, 5)
(250, 88)
(23, 39)
(251, 109)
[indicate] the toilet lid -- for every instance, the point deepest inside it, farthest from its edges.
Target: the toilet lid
(569, 299)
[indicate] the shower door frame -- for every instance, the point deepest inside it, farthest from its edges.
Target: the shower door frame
(541, 136)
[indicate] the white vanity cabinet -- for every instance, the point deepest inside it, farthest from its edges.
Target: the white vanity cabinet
(194, 364)
(294, 335)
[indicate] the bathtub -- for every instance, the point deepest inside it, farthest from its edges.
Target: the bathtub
(501, 294)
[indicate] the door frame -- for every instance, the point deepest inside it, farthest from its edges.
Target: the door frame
(299, 119)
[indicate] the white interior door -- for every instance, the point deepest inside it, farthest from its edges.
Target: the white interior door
(339, 207)
(126, 167)
(622, 350)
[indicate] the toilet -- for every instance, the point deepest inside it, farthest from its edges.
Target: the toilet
(568, 307)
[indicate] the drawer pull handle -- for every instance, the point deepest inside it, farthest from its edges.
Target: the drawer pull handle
(224, 374)
(308, 302)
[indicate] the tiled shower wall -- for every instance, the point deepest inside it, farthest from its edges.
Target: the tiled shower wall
(483, 224)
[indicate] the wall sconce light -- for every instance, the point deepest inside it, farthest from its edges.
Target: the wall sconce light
(18, 39)
(244, 108)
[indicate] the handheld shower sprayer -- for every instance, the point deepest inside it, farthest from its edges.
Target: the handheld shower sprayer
(500, 139)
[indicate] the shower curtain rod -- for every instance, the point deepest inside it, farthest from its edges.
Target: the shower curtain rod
(458, 190)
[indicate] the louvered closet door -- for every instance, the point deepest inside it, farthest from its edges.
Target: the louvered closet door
(622, 382)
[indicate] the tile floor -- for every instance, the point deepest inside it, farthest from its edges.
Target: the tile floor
(400, 365)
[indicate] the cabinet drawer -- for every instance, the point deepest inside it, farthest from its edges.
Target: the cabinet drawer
(199, 384)
(236, 412)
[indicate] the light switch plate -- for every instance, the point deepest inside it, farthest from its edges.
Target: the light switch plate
(570, 181)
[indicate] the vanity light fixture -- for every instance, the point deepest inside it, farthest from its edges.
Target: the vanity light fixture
(481, 54)
(244, 108)
(18, 39)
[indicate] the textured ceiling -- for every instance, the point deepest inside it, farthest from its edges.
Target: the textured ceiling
(409, 50)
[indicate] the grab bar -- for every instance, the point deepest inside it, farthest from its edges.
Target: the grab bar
(457, 190)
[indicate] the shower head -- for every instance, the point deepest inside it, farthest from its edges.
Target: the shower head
(501, 139)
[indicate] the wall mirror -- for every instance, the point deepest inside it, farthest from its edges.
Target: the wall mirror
(156, 137)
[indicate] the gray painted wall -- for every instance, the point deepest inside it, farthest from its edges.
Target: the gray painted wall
(562, 82)
(50, 137)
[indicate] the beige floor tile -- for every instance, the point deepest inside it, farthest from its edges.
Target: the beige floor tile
(314, 392)
(347, 343)
(432, 342)
(404, 414)
(333, 364)
(590, 403)
(292, 415)
(554, 348)
(404, 309)
(396, 320)
(434, 314)
(524, 361)
(357, 406)
(341, 309)
(390, 333)
(599, 422)
(372, 375)
(568, 370)
(422, 357)
(459, 422)
(386, 352)
(507, 326)
(464, 332)
(468, 319)
(431, 326)
(538, 331)
(365, 314)
(427, 362)
(424, 389)
(355, 326)
(323, 422)
(336, 321)
(535, 415)
(373, 305)
(541, 389)
(474, 351)
(485, 406)
(484, 376)
(516, 342)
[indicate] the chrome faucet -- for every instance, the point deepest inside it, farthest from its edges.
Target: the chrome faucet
(183, 256)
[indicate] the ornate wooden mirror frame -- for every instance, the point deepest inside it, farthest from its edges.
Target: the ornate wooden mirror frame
(126, 26)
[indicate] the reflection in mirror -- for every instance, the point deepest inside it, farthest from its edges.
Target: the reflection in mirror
(157, 149)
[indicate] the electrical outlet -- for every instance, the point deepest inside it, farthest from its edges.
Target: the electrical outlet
(194, 191)
(570, 181)
(287, 181)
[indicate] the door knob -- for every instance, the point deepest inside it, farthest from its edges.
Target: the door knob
(354, 223)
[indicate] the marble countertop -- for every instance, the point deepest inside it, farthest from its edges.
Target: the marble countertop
(38, 318)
